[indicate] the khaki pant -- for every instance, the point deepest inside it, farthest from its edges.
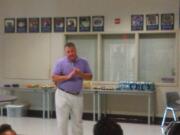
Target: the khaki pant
(68, 104)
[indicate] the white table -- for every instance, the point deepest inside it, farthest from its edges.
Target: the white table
(50, 91)
(30, 90)
(149, 94)
(46, 97)
(94, 105)
(97, 94)
(7, 98)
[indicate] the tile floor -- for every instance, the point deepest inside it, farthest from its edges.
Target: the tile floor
(38, 126)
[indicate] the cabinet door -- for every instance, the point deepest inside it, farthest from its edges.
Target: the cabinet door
(157, 57)
(86, 47)
(118, 57)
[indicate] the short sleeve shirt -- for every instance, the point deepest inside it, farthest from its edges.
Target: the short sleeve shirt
(64, 66)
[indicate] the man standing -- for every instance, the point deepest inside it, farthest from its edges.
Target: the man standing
(68, 75)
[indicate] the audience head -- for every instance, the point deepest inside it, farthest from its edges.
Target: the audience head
(106, 126)
(5, 129)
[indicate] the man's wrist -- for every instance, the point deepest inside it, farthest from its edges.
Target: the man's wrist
(81, 74)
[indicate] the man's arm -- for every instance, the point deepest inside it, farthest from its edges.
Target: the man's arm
(60, 78)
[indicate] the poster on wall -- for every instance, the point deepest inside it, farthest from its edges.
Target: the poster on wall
(152, 21)
(21, 25)
(9, 25)
(98, 23)
(46, 24)
(33, 25)
(71, 24)
(59, 24)
(137, 22)
(167, 21)
(84, 23)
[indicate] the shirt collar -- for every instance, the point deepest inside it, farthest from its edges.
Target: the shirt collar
(76, 60)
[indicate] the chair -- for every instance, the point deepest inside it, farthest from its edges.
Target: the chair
(172, 105)
(2, 107)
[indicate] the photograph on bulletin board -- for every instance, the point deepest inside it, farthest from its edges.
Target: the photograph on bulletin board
(46, 24)
(59, 24)
(84, 23)
(152, 21)
(98, 23)
(137, 22)
(71, 24)
(167, 21)
(21, 25)
(9, 25)
(33, 25)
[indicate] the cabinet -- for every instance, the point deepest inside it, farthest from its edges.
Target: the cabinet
(134, 56)
(118, 59)
(158, 57)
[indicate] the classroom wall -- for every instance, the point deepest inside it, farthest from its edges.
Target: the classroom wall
(122, 9)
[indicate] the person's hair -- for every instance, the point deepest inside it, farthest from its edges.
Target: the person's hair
(4, 128)
(173, 128)
(106, 126)
(69, 44)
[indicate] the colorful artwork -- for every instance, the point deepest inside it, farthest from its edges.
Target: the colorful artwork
(21, 25)
(71, 24)
(137, 22)
(59, 24)
(84, 23)
(33, 24)
(9, 25)
(46, 24)
(98, 23)
(167, 21)
(152, 22)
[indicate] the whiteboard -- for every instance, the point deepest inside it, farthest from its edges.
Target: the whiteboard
(26, 56)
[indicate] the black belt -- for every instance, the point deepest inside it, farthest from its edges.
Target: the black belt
(72, 93)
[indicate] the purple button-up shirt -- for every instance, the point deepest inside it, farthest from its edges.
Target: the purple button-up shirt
(63, 67)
